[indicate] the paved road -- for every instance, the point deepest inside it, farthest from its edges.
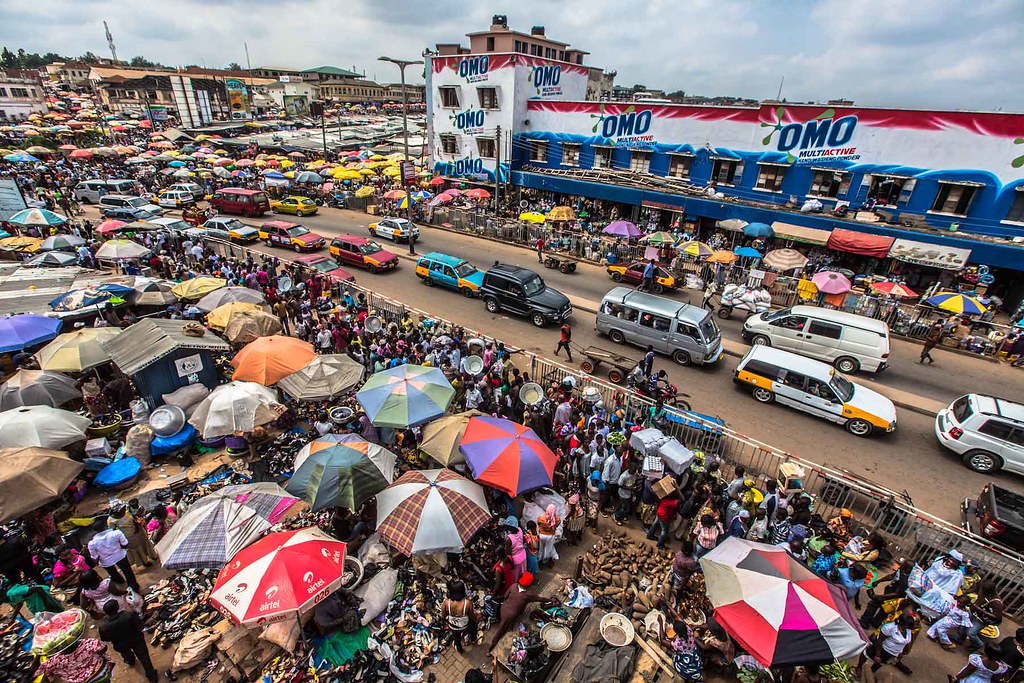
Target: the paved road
(907, 459)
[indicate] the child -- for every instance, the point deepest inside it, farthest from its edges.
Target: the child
(575, 519)
(532, 548)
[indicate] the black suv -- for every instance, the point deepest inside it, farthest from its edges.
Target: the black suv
(522, 291)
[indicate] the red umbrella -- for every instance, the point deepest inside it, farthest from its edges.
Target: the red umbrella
(109, 226)
(438, 181)
(478, 193)
(279, 576)
(506, 455)
(894, 289)
(80, 154)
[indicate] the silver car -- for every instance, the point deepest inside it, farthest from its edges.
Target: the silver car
(985, 431)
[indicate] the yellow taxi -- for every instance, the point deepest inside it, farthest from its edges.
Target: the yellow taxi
(633, 273)
(297, 206)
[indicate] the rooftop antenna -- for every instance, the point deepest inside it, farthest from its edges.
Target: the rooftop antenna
(110, 41)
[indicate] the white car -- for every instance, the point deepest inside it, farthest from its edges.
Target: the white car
(985, 431)
(193, 189)
(394, 229)
(170, 224)
(174, 199)
(236, 230)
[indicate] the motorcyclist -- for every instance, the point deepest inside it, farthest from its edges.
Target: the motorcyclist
(654, 382)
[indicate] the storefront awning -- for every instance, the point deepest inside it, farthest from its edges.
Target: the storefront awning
(931, 255)
(799, 233)
(860, 243)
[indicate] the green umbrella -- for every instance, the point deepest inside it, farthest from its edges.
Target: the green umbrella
(405, 396)
(342, 470)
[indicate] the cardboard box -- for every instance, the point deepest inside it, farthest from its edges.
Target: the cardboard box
(664, 486)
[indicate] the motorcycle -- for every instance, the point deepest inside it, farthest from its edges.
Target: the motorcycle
(743, 298)
(666, 392)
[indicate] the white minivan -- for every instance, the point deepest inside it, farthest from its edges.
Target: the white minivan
(849, 342)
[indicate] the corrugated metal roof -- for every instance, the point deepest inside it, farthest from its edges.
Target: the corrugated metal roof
(149, 340)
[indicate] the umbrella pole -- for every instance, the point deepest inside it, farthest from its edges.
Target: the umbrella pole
(302, 633)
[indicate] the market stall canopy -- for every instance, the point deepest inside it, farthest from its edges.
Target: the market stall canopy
(758, 230)
(52, 259)
(279, 576)
(37, 388)
(219, 317)
(62, 242)
(343, 470)
(237, 407)
(732, 224)
(150, 339)
(784, 259)
(506, 455)
(931, 255)
(77, 351)
(21, 244)
(325, 376)
(405, 396)
(19, 331)
(270, 359)
(247, 326)
(776, 608)
(441, 438)
(799, 233)
(42, 426)
(198, 287)
(622, 229)
(32, 477)
(430, 511)
(561, 213)
(150, 292)
(860, 243)
(227, 295)
(894, 289)
(121, 249)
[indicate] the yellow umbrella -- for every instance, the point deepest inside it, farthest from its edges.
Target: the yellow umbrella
(21, 244)
(197, 288)
(532, 217)
(722, 256)
(287, 164)
(364, 192)
(219, 317)
(561, 213)
(392, 172)
(77, 351)
(378, 157)
(367, 171)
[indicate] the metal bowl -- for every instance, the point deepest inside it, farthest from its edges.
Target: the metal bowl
(167, 420)
(340, 415)
(616, 629)
(556, 636)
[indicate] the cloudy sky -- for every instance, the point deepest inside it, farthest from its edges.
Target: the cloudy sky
(955, 54)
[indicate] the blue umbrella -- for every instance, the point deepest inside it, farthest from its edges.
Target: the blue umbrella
(89, 296)
(758, 230)
(405, 396)
(4, 233)
(19, 331)
(37, 217)
(309, 177)
(275, 175)
(177, 164)
(20, 158)
(746, 252)
(421, 194)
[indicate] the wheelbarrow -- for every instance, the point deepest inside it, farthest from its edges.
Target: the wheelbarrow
(620, 366)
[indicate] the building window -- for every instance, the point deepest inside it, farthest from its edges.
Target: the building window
(602, 157)
(1016, 212)
(449, 97)
(640, 161)
(579, 59)
(570, 154)
(888, 190)
(769, 177)
(679, 165)
(490, 43)
(829, 183)
(561, 55)
(953, 198)
(19, 92)
(538, 151)
(485, 146)
(488, 97)
(449, 143)
(726, 171)
(535, 50)
(522, 47)
(3, 92)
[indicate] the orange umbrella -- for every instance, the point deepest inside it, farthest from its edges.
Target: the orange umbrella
(722, 256)
(269, 359)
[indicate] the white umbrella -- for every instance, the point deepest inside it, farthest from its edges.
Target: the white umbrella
(78, 350)
(41, 426)
(235, 407)
(784, 259)
(121, 249)
(734, 224)
(227, 295)
(324, 377)
(37, 388)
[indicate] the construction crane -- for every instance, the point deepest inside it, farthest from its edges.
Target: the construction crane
(110, 42)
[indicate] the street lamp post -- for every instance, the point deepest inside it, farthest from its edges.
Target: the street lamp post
(402, 63)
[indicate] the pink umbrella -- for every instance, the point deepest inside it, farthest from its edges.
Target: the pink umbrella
(108, 226)
(453, 192)
(831, 283)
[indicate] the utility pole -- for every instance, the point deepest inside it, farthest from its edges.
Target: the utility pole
(778, 98)
(402, 63)
(497, 169)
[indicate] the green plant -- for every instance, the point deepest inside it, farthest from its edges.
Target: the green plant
(748, 675)
(838, 672)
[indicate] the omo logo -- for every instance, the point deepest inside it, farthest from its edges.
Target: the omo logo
(817, 133)
(629, 122)
(468, 119)
(474, 68)
(463, 167)
(545, 76)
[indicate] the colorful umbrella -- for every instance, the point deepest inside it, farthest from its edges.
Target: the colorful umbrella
(894, 289)
(19, 331)
(32, 477)
(746, 252)
(219, 317)
(279, 576)
(78, 350)
(62, 242)
(244, 327)
(478, 193)
(217, 526)
(957, 303)
(237, 407)
(395, 194)
(506, 455)
(528, 216)
(196, 288)
(776, 608)
(785, 259)
(441, 437)
(37, 388)
(622, 229)
(696, 249)
(405, 396)
(561, 213)
(343, 470)
(325, 376)
(40, 218)
(758, 230)
(659, 239)
(21, 244)
(830, 282)
(78, 299)
(430, 511)
(270, 359)
(41, 425)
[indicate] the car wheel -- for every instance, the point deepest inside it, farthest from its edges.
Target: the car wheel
(492, 305)
(297, 248)
(658, 288)
(371, 269)
(681, 357)
(267, 242)
(373, 232)
(760, 340)
(275, 210)
(538, 320)
(982, 461)
(617, 337)
(86, 201)
(428, 282)
(847, 365)
(466, 292)
(616, 277)
(763, 395)
(859, 427)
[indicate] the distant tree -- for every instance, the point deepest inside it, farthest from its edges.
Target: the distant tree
(234, 66)
(89, 58)
(638, 87)
(141, 61)
(8, 58)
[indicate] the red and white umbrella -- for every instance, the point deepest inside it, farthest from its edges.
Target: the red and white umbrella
(279, 576)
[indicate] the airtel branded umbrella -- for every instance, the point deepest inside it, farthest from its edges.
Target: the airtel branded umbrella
(37, 388)
(31, 477)
(776, 608)
(957, 303)
(894, 289)
(19, 331)
(506, 455)
(441, 437)
(235, 407)
(831, 283)
(270, 359)
(343, 470)
(622, 229)
(430, 511)
(42, 426)
(279, 576)
(785, 259)
(324, 377)
(405, 396)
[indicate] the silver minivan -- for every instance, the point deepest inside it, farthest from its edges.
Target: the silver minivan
(686, 333)
(90, 191)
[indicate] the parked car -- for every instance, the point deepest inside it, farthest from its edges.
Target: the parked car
(634, 275)
(237, 230)
(449, 271)
(325, 265)
(194, 189)
(985, 431)
(118, 205)
(174, 199)
(363, 253)
(128, 214)
(815, 388)
(240, 201)
(290, 236)
(297, 206)
(90, 191)
(395, 229)
(170, 224)
(523, 292)
(996, 514)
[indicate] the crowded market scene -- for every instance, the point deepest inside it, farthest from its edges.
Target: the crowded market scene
(225, 457)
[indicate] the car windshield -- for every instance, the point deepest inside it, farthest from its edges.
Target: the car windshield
(533, 286)
(843, 387)
(370, 247)
(137, 202)
(297, 231)
(709, 329)
(234, 224)
(768, 317)
(324, 265)
(177, 225)
(465, 269)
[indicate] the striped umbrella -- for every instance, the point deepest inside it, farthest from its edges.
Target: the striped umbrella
(784, 259)
(59, 242)
(659, 238)
(506, 455)
(957, 303)
(776, 608)
(894, 289)
(696, 249)
(405, 396)
(343, 470)
(40, 218)
(430, 511)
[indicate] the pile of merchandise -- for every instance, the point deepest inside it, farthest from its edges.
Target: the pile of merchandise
(181, 605)
(17, 664)
(627, 576)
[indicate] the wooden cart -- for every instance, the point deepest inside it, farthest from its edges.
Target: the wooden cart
(620, 365)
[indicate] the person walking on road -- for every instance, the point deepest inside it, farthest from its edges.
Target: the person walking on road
(123, 630)
(540, 249)
(709, 291)
(565, 339)
(930, 342)
(648, 283)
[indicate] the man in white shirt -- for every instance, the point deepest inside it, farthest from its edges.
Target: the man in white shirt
(108, 548)
(473, 397)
